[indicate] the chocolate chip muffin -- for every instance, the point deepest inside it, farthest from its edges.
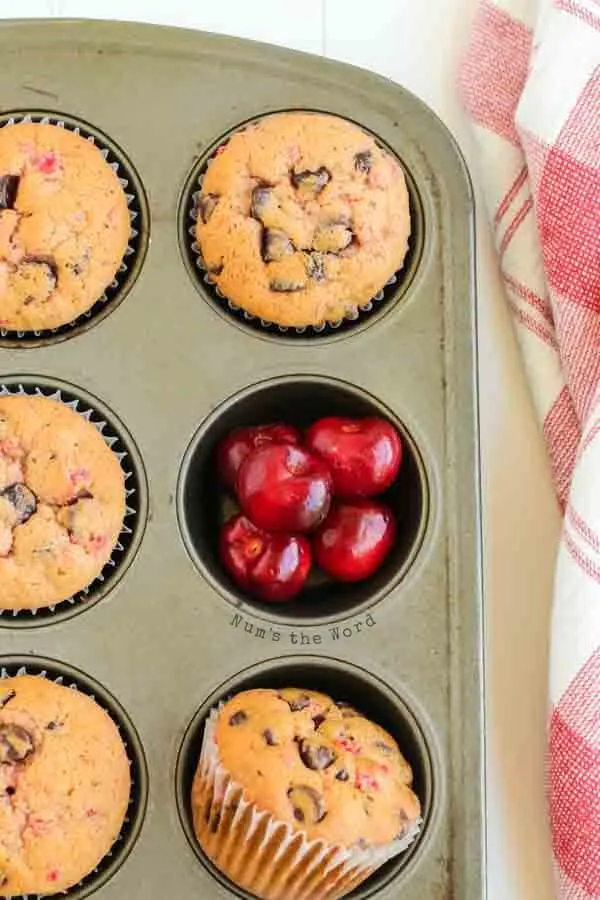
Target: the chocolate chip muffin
(313, 796)
(64, 786)
(302, 218)
(62, 502)
(64, 226)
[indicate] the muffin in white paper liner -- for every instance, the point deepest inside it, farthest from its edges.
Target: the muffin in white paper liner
(134, 815)
(135, 251)
(354, 314)
(111, 435)
(268, 857)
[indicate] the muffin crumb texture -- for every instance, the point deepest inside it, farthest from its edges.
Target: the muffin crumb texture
(313, 796)
(302, 218)
(64, 786)
(62, 502)
(64, 226)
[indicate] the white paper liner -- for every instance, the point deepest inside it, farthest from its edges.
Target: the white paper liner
(352, 314)
(266, 856)
(117, 166)
(110, 436)
(40, 672)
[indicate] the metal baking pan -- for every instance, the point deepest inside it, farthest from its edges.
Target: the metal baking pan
(171, 368)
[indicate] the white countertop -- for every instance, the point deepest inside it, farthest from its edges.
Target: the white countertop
(419, 45)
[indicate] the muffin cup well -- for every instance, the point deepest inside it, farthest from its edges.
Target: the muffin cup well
(68, 676)
(135, 253)
(203, 506)
(345, 682)
(264, 855)
(116, 437)
(364, 314)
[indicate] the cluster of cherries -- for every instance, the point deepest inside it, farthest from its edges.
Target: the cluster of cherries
(307, 498)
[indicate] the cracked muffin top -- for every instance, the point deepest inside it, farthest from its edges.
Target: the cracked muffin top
(64, 786)
(302, 218)
(62, 502)
(64, 226)
(317, 765)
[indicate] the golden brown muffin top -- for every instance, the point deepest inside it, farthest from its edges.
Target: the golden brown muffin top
(317, 765)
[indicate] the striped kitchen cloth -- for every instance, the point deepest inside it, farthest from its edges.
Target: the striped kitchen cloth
(530, 82)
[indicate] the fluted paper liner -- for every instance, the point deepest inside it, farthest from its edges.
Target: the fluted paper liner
(266, 856)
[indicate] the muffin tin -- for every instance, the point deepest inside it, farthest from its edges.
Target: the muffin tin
(170, 367)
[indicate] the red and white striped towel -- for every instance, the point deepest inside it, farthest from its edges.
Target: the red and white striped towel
(530, 81)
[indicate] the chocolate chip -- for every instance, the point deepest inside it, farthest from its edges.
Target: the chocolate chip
(206, 205)
(261, 198)
(238, 718)
(363, 162)
(316, 756)
(215, 822)
(342, 775)
(311, 181)
(15, 743)
(308, 804)
(10, 791)
(384, 748)
(275, 245)
(315, 267)
(49, 269)
(347, 711)
(9, 187)
(285, 285)
(6, 698)
(318, 721)
(53, 726)
(298, 703)
(22, 499)
(269, 738)
(332, 237)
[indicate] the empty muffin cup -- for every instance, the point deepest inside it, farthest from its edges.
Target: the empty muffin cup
(36, 269)
(116, 437)
(327, 246)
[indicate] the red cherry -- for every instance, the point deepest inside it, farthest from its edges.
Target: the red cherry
(282, 487)
(354, 539)
(273, 567)
(232, 451)
(364, 455)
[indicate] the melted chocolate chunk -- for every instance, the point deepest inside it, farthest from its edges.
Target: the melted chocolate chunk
(261, 198)
(269, 738)
(313, 182)
(298, 703)
(307, 803)
(16, 743)
(342, 775)
(238, 718)
(316, 756)
(285, 285)
(53, 726)
(9, 188)
(363, 162)
(315, 267)
(49, 269)
(318, 721)
(6, 698)
(22, 499)
(275, 245)
(206, 205)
